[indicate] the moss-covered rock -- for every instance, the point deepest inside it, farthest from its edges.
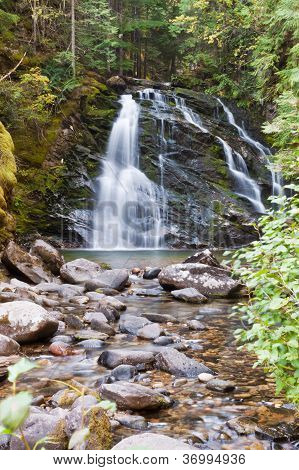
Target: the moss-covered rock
(7, 183)
(56, 169)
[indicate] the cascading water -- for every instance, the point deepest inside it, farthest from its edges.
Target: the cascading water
(127, 213)
(245, 186)
(261, 149)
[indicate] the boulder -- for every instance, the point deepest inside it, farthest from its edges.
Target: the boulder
(203, 257)
(8, 346)
(79, 271)
(116, 279)
(49, 255)
(151, 441)
(114, 358)
(208, 280)
(26, 322)
(151, 331)
(117, 83)
(131, 324)
(151, 273)
(176, 363)
(115, 303)
(189, 294)
(21, 263)
(131, 396)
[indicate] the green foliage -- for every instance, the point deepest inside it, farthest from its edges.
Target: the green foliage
(270, 269)
(27, 102)
(78, 438)
(13, 412)
(21, 367)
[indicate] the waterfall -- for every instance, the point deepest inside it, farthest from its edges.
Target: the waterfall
(127, 212)
(261, 149)
(245, 186)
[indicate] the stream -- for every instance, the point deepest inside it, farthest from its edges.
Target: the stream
(198, 415)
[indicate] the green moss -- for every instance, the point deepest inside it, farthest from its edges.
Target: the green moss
(100, 437)
(7, 182)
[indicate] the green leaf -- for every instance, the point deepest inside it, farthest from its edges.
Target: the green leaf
(14, 410)
(78, 438)
(108, 405)
(22, 366)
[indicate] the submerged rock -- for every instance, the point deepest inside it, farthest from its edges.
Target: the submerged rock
(123, 372)
(151, 441)
(189, 294)
(131, 421)
(21, 263)
(210, 281)
(116, 357)
(196, 325)
(130, 396)
(49, 255)
(26, 322)
(159, 317)
(221, 385)
(176, 363)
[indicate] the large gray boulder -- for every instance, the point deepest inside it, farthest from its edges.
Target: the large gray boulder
(131, 396)
(26, 322)
(116, 357)
(208, 280)
(176, 363)
(8, 346)
(49, 255)
(111, 278)
(79, 271)
(23, 264)
(151, 441)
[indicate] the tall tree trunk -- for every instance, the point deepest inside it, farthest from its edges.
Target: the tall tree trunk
(34, 19)
(73, 36)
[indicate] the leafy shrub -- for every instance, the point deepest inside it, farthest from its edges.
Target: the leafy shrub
(270, 269)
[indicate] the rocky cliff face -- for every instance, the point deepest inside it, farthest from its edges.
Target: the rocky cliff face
(202, 204)
(7, 184)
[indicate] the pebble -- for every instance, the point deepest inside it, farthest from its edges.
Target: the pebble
(204, 377)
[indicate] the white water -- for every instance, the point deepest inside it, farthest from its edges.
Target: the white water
(261, 149)
(127, 214)
(245, 186)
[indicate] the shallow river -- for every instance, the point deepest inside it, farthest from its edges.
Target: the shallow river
(198, 414)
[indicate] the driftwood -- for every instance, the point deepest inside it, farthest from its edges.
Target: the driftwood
(4, 77)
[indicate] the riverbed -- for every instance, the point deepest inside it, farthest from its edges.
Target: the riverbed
(199, 415)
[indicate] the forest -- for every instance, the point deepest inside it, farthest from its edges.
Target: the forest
(149, 219)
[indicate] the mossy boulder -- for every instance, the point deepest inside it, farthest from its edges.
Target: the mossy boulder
(7, 183)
